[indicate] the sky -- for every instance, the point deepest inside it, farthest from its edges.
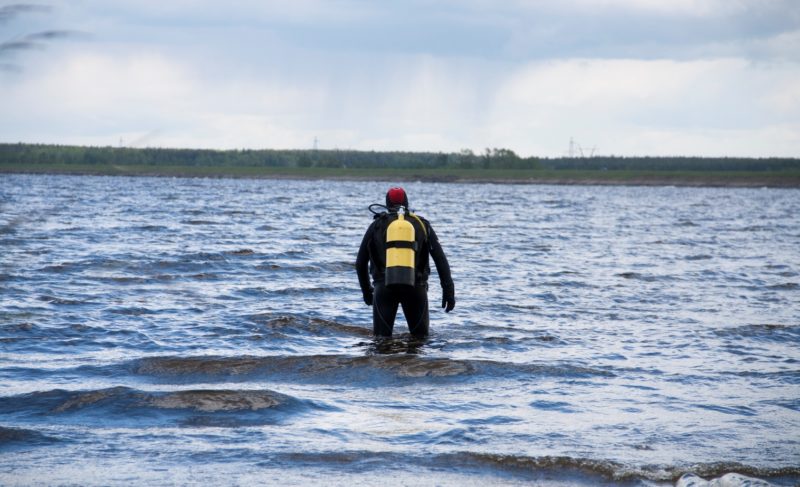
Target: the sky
(617, 77)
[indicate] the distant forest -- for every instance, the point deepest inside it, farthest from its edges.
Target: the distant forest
(33, 154)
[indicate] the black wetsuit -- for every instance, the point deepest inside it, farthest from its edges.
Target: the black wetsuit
(413, 300)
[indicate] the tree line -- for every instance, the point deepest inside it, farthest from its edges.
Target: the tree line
(33, 154)
(673, 163)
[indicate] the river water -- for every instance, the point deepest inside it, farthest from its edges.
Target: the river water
(170, 331)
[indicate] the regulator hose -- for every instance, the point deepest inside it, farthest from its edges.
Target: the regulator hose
(377, 205)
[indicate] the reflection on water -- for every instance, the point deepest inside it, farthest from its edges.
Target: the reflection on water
(404, 343)
(212, 331)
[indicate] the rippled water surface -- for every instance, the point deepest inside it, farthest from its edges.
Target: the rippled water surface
(212, 331)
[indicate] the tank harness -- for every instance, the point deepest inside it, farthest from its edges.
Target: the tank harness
(401, 249)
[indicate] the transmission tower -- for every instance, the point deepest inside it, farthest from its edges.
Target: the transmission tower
(575, 149)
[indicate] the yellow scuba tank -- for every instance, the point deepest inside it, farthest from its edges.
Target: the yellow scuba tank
(401, 250)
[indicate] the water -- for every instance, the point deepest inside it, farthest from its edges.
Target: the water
(211, 331)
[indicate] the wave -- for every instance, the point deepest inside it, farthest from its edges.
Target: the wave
(197, 221)
(616, 471)
(50, 339)
(304, 325)
(369, 370)
(553, 406)
(793, 404)
(143, 270)
(311, 368)
(299, 268)
(732, 410)
(241, 252)
(508, 343)
(776, 376)
(637, 276)
(214, 407)
(727, 480)
(761, 331)
(132, 311)
(786, 286)
(11, 437)
(302, 291)
(339, 266)
(570, 470)
(698, 257)
(63, 301)
(99, 262)
(150, 228)
(61, 401)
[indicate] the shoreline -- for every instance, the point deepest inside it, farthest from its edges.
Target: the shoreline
(571, 178)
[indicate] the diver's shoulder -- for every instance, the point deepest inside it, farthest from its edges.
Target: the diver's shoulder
(382, 216)
(423, 219)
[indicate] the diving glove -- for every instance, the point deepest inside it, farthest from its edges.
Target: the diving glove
(448, 302)
(367, 296)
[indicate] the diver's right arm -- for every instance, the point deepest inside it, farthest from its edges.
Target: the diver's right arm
(443, 269)
(362, 267)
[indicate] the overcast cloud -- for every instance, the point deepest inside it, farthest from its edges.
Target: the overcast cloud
(632, 77)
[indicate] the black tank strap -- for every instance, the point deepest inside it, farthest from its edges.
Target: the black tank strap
(402, 244)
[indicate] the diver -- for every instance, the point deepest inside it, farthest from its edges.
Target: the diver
(396, 247)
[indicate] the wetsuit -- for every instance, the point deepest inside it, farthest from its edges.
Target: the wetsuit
(414, 300)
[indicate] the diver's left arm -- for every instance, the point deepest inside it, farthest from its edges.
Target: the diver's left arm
(443, 269)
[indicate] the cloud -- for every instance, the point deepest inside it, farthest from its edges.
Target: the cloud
(37, 40)
(650, 30)
(658, 107)
(631, 76)
(17, 45)
(114, 96)
(644, 107)
(9, 12)
(513, 31)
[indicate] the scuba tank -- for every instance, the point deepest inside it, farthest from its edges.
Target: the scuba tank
(401, 245)
(401, 248)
